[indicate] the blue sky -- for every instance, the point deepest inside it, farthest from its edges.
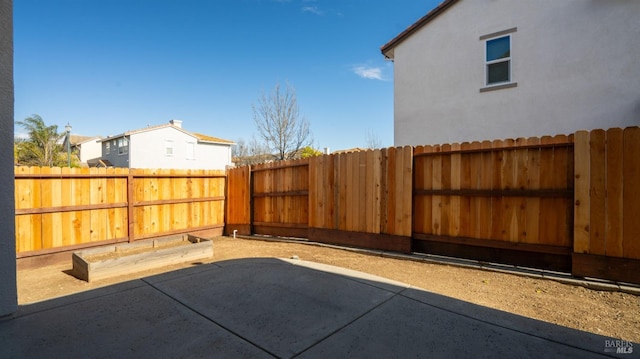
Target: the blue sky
(109, 66)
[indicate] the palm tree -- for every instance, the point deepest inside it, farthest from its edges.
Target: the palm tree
(42, 148)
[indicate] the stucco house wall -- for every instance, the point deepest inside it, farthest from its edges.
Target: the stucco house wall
(575, 63)
(8, 286)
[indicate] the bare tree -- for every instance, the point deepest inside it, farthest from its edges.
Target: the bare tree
(372, 141)
(250, 153)
(279, 124)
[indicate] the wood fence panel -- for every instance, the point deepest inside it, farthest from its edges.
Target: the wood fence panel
(563, 205)
(28, 227)
(436, 200)
(68, 233)
(474, 163)
(532, 226)
(631, 193)
(497, 204)
(548, 219)
(582, 210)
(597, 192)
(614, 222)
(238, 200)
(83, 198)
(486, 217)
(607, 203)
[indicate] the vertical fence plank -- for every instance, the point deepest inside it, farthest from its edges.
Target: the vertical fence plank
(485, 204)
(407, 192)
(497, 203)
(631, 193)
(521, 163)
(597, 192)
(548, 219)
(66, 200)
(465, 215)
(436, 201)
(582, 210)
(475, 183)
(614, 200)
(46, 192)
(445, 201)
(418, 183)
(509, 230)
(455, 203)
(316, 204)
(533, 182)
(562, 206)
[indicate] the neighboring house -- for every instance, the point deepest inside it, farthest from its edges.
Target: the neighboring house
(493, 69)
(166, 146)
(87, 148)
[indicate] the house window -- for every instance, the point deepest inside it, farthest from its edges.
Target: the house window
(123, 146)
(107, 148)
(191, 150)
(498, 60)
(168, 148)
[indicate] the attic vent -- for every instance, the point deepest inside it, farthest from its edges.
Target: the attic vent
(176, 123)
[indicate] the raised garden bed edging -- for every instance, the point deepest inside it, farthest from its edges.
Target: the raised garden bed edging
(119, 259)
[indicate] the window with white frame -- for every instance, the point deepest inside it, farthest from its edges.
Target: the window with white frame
(107, 147)
(123, 146)
(498, 59)
(191, 150)
(168, 148)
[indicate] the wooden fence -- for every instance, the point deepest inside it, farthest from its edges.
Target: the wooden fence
(60, 209)
(565, 203)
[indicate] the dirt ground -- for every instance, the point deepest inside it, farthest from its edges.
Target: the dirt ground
(612, 314)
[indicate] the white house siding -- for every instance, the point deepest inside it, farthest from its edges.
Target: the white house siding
(576, 64)
(90, 149)
(8, 289)
(147, 150)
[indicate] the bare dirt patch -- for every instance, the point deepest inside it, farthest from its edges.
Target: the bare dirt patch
(611, 314)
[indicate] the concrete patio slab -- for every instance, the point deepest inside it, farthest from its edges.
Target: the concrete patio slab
(252, 308)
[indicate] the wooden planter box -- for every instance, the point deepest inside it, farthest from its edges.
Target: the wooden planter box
(119, 259)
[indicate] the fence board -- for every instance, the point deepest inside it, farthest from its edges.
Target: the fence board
(631, 192)
(614, 223)
(533, 182)
(68, 233)
(597, 192)
(436, 200)
(582, 211)
(464, 217)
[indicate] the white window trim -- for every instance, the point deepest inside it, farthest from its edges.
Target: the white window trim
(498, 85)
(169, 144)
(123, 150)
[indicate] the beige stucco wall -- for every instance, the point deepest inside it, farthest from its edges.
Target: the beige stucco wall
(8, 291)
(576, 64)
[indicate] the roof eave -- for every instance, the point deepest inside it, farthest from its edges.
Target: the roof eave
(387, 49)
